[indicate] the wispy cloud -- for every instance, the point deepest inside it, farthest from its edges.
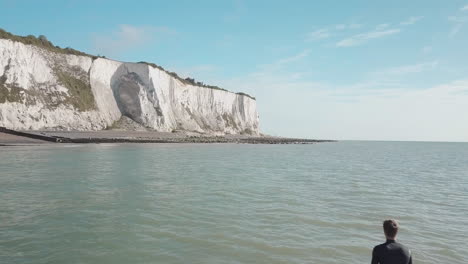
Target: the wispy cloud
(347, 26)
(330, 31)
(299, 56)
(369, 109)
(340, 27)
(279, 64)
(458, 23)
(382, 26)
(426, 49)
(412, 20)
(362, 38)
(408, 69)
(127, 37)
(318, 34)
(380, 31)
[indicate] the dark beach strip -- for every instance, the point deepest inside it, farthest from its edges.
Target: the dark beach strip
(141, 137)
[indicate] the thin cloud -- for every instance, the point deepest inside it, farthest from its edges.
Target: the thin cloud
(382, 26)
(426, 49)
(347, 26)
(365, 110)
(340, 27)
(362, 38)
(284, 61)
(327, 32)
(458, 23)
(408, 69)
(297, 57)
(380, 31)
(128, 37)
(318, 34)
(412, 20)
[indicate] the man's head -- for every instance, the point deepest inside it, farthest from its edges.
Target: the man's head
(390, 228)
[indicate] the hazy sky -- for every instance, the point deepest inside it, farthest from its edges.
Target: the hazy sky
(380, 70)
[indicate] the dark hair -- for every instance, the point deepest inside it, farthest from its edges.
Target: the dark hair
(390, 228)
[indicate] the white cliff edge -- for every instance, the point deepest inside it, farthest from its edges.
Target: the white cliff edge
(41, 89)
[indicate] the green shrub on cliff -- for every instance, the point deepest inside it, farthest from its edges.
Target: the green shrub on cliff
(80, 93)
(189, 80)
(41, 42)
(11, 93)
(244, 94)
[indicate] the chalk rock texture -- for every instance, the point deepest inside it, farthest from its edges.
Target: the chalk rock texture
(41, 89)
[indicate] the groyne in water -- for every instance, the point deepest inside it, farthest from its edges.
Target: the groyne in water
(31, 135)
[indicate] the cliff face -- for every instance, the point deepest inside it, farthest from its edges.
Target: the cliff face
(42, 89)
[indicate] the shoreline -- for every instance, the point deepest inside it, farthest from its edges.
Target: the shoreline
(10, 137)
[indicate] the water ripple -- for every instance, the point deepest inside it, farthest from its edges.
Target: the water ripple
(225, 203)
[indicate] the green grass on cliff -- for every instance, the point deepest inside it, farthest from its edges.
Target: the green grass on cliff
(9, 94)
(186, 80)
(42, 42)
(80, 94)
(191, 81)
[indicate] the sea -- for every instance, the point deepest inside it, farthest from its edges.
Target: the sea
(231, 203)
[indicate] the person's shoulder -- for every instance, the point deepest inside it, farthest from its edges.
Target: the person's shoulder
(405, 248)
(379, 246)
(401, 245)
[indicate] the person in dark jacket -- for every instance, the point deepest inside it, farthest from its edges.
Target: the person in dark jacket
(391, 252)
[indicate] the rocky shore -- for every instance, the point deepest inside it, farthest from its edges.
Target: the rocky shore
(9, 137)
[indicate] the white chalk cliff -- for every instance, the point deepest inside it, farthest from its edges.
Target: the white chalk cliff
(44, 89)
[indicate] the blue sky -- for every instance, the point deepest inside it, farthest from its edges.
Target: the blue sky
(378, 70)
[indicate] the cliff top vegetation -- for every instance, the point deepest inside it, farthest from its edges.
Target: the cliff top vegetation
(42, 42)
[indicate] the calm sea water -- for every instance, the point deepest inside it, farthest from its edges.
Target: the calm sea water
(229, 203)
